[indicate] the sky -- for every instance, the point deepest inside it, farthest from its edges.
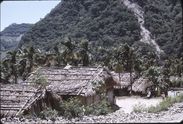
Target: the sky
(24, 11)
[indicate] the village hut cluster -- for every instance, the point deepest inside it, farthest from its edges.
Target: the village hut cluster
(63, 83)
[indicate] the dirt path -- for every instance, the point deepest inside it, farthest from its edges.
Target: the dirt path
(127, 103)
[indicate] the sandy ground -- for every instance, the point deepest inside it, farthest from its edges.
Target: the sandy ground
(127, 103)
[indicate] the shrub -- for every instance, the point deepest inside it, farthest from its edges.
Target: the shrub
(71, 108)
(139, 108)
(177, 82)
(39, 79)
(152, 109)
(100, 108)
(74, 108)
(179, 98)
(48, 113)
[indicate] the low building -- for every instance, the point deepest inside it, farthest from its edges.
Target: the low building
(173, 92)
(75, 82)
(141, 86)
(17, 99)
(122, 86)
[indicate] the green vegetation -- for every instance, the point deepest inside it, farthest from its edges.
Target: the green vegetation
(177, 82)
(73, 107)
(97, 32)
(163, 18)
(162, 106)
(48, 113)
(39, 80)
(103, 23)
(20, 63)
(165, 104)
(139, 108)
(107, 24)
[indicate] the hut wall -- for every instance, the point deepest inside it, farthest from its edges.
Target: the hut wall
(89, 100)
(110, 96)
(35, 108)
(121, 92)
(52, 100)
(82, 99)
(96, 98)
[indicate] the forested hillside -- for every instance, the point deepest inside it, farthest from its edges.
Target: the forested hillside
(109, 23)
(103, 23)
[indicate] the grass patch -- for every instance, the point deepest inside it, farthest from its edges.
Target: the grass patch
(165, 104)
(162, 106)
(138, 108)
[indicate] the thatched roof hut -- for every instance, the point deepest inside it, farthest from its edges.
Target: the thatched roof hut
(16, 98)
(74, 81)
(140, 85)
(123, 84)
(124, 81)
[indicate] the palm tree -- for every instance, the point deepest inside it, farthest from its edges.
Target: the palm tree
(68, 54)
(131, 59)
(118, 56)
(22, 68)
(5, 70)
(84, 53)
(30, 57)
(138, 66)
(13, 64)
(59, 56)
(153, 74)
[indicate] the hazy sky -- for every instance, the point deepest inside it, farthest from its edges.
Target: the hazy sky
(24, 11)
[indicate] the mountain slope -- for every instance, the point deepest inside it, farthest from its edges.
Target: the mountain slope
(109, 23)
(101, 22)
(11, 35)
(163, 18)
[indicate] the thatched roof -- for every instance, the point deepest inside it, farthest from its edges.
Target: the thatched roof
(73, 80)
(175, 78)
(15, 98)
(124, 80)
(141, 84)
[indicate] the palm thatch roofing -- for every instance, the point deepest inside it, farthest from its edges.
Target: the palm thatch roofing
(176, 78)
(16, 98)
(74, 80)
(140, 85)
(123, 81)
